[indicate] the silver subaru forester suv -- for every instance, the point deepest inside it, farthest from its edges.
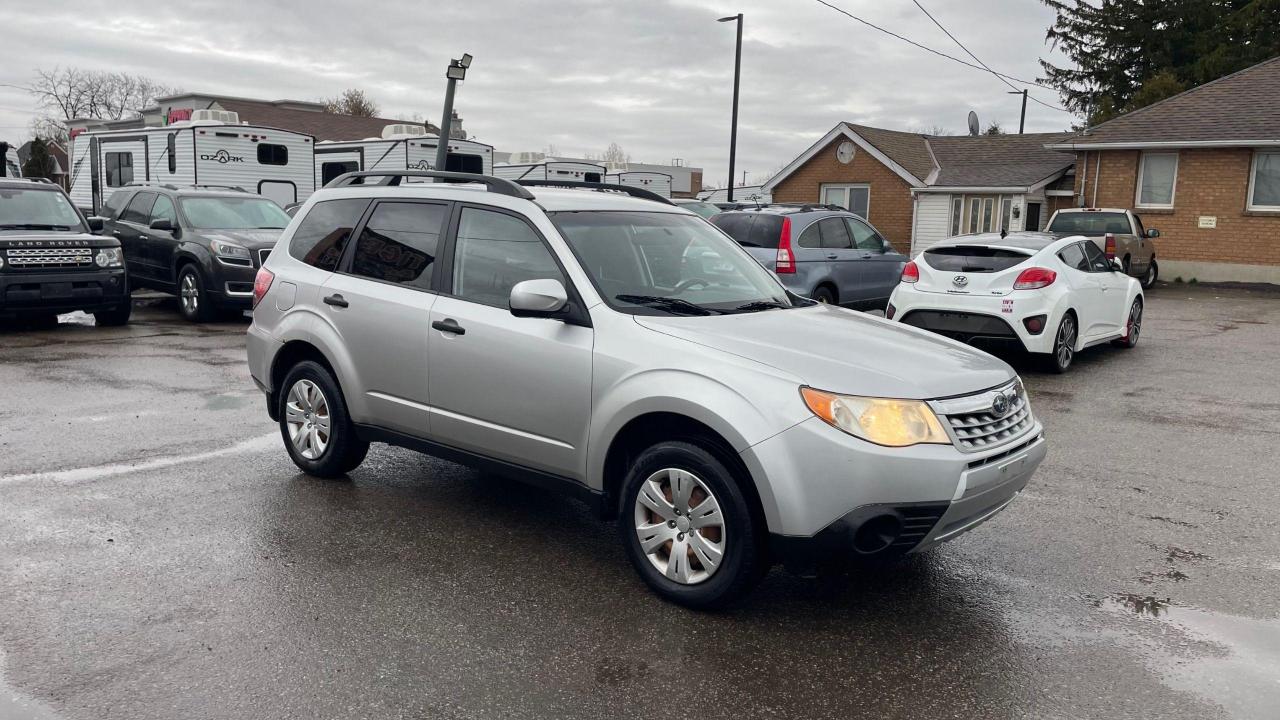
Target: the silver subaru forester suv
(601, 341)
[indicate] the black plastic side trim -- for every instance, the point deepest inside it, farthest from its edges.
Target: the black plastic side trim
(538, 478)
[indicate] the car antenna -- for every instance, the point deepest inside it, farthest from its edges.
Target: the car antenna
(1003, 233)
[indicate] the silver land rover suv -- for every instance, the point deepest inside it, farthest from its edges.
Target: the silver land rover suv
(599, 340)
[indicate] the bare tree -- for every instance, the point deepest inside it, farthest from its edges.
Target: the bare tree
(67, 93)
(352, 101)
(994, 129)
(614, 156)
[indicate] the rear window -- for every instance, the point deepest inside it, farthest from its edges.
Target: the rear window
(1091, 223)
(735, 225)
(750, 229)
(973, 259)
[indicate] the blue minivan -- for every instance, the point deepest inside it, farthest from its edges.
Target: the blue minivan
(820, 252)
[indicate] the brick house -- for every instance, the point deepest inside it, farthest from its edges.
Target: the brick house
(1203, 167)
(918, 189)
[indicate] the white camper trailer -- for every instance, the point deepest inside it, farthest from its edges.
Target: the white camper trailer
(401, 147)
(654, 182)
(9, 165)
(552, 169)
(210, 149)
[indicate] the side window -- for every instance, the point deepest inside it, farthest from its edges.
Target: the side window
(163, 210)
(864, 238)
(495, 251)
(115, 203)
(139, 208)
(1073, 256)
(834, 234)
(399, 241)
(811, 237)
(1137, 225)
(119, 168)
(272, 154)
(322, 235)
(1097, 260)
(331, 170)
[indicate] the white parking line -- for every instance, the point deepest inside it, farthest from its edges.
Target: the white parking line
(76, 475)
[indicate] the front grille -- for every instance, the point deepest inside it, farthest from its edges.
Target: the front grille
(917, 521)
(974, 423)
(49, 257)
(262, 256)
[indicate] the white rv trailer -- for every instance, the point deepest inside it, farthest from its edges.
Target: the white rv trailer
(401, 147)
(552, 169)
(654, 182)
(210, 149)
(9, 165)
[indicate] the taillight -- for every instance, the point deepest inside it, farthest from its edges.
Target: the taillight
(786, 259)
(1110, 247)
(261, 284)
(1034, 279)
(910, 272)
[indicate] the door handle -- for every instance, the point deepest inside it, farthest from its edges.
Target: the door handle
(866, 256)
(143, 237)
(449, 325)
(832, 256)
(116, 233)
(336, 301)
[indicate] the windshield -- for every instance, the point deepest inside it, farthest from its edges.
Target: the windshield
(649, 263)
(1091, 223)
(23, 209)
(233, 213)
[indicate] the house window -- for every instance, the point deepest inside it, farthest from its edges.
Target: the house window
(273, 154)
(854, 198)
(957, 205)
(1264, 181)
(1157, 175)
(1006, 207)
(119, 168)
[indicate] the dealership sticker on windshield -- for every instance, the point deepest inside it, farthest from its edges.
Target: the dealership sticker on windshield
(1006, 306)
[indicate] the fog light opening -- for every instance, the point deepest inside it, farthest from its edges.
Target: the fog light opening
(877, 534)
(1034, 324)
(890, 311)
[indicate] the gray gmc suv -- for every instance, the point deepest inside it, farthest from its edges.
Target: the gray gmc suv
(604, 342)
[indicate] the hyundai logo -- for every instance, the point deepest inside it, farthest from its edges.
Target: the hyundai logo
(960, 281)
(1000, 405)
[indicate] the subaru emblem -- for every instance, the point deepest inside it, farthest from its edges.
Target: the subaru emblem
(1000, 405)
(960, 281)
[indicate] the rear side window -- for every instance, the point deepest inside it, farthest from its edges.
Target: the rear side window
(115, 203)
(735, 225)
(269, 154)
(139, 208)
(765, 231)
(973, 259)
(323, 233)
(398, 243)
(1091, 223)
(1073, 256)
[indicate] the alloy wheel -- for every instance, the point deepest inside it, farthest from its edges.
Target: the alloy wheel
(307, 417)
(680, 526)
(1135, 323)
(189, 293)
(1066, 341)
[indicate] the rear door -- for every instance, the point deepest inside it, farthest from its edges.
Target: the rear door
(880, 265)
(842, 260)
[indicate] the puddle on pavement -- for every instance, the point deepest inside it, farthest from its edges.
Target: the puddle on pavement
(229, 401)
(16, 706)
(1229, 660)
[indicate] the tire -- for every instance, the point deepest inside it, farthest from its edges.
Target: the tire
(1064, 345)
(653, 512)
(114, 317)
(824, 295)
(1125, 264)
(1133, 326)
(308, 394)
(1153, 272)
(193, 299)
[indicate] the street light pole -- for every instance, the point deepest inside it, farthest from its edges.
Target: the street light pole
(737, 76)
(1022, 121)
(457, 71)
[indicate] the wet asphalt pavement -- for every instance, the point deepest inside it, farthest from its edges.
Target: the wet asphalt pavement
(160, 557)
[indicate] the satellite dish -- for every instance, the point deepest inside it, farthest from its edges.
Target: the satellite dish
(974, 127)
(845, 152)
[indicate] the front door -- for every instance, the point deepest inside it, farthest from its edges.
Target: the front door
(132, 232)
(880, 266)
(160, 245)
(516, 389)
(1032, 221)
(380, 302)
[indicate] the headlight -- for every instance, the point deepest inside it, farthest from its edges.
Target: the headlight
(895, 423)
(108, 258)
(224, 249)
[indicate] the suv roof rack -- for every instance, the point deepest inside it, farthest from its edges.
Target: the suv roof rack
(46, 181)
(608, 187)
(171, 186)
(498, 185)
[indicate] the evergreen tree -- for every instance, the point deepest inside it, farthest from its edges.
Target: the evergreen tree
(39, 163)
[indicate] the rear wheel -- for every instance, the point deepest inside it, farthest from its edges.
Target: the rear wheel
(824, 295)
(193, 300)
(1064, 345)
(1133, 325)
(688, 527)
(314, 423)
(1149, 278)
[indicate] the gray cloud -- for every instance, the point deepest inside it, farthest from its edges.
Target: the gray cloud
(655, 77)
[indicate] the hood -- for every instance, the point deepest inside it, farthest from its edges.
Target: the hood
(844, 351)
(252, 239)
(52, 238)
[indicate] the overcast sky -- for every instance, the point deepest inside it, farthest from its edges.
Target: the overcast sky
(655, 76)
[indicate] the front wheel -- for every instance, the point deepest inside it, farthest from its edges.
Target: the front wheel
(688, 527)
(1149, 278)
(118, 315)
(314, 423)
(1064, 345)
(193, 301)
(1133, 325)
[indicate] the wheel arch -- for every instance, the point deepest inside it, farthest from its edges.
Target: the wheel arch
(301, 343)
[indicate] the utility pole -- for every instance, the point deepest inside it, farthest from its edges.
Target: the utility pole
(737, 75)
(457, 71)
(1022, 121)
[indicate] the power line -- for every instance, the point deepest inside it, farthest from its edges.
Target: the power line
(979, 61)
(926, 48)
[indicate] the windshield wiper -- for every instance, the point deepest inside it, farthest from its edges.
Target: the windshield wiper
(270, 227)
(758, 305)
(33, 226)
(670, 304)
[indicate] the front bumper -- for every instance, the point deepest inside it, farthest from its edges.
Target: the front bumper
(979, 318)
(232, 285)
(821, 488)
(41, 292)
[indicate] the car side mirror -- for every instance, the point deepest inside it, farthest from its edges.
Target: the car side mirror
(162, 224)
(95, 224)
(545, 298)
(1116, 265)
(1153, 233)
